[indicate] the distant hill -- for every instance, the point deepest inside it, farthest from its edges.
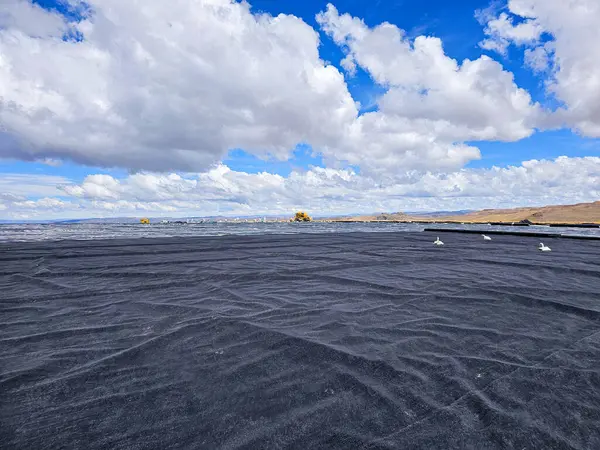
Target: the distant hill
(65, 221)
(137, 219)
(397, 216)
(373, 218)
(441, 213)
(579, 213)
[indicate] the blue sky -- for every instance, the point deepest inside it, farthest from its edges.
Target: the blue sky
(455, 23)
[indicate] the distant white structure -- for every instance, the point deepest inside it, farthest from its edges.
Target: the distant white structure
(486, 238)
(544, 248)
(438, 242)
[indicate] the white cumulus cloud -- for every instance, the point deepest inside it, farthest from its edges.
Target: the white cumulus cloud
(571, 51)
(433, 103)
(166, 85)
(502, 31)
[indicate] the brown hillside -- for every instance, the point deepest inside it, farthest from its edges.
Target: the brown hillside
(580, 213)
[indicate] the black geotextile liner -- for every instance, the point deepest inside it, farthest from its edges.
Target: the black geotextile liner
(300, 341)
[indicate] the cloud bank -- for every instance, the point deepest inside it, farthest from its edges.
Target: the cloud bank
(321, 190)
